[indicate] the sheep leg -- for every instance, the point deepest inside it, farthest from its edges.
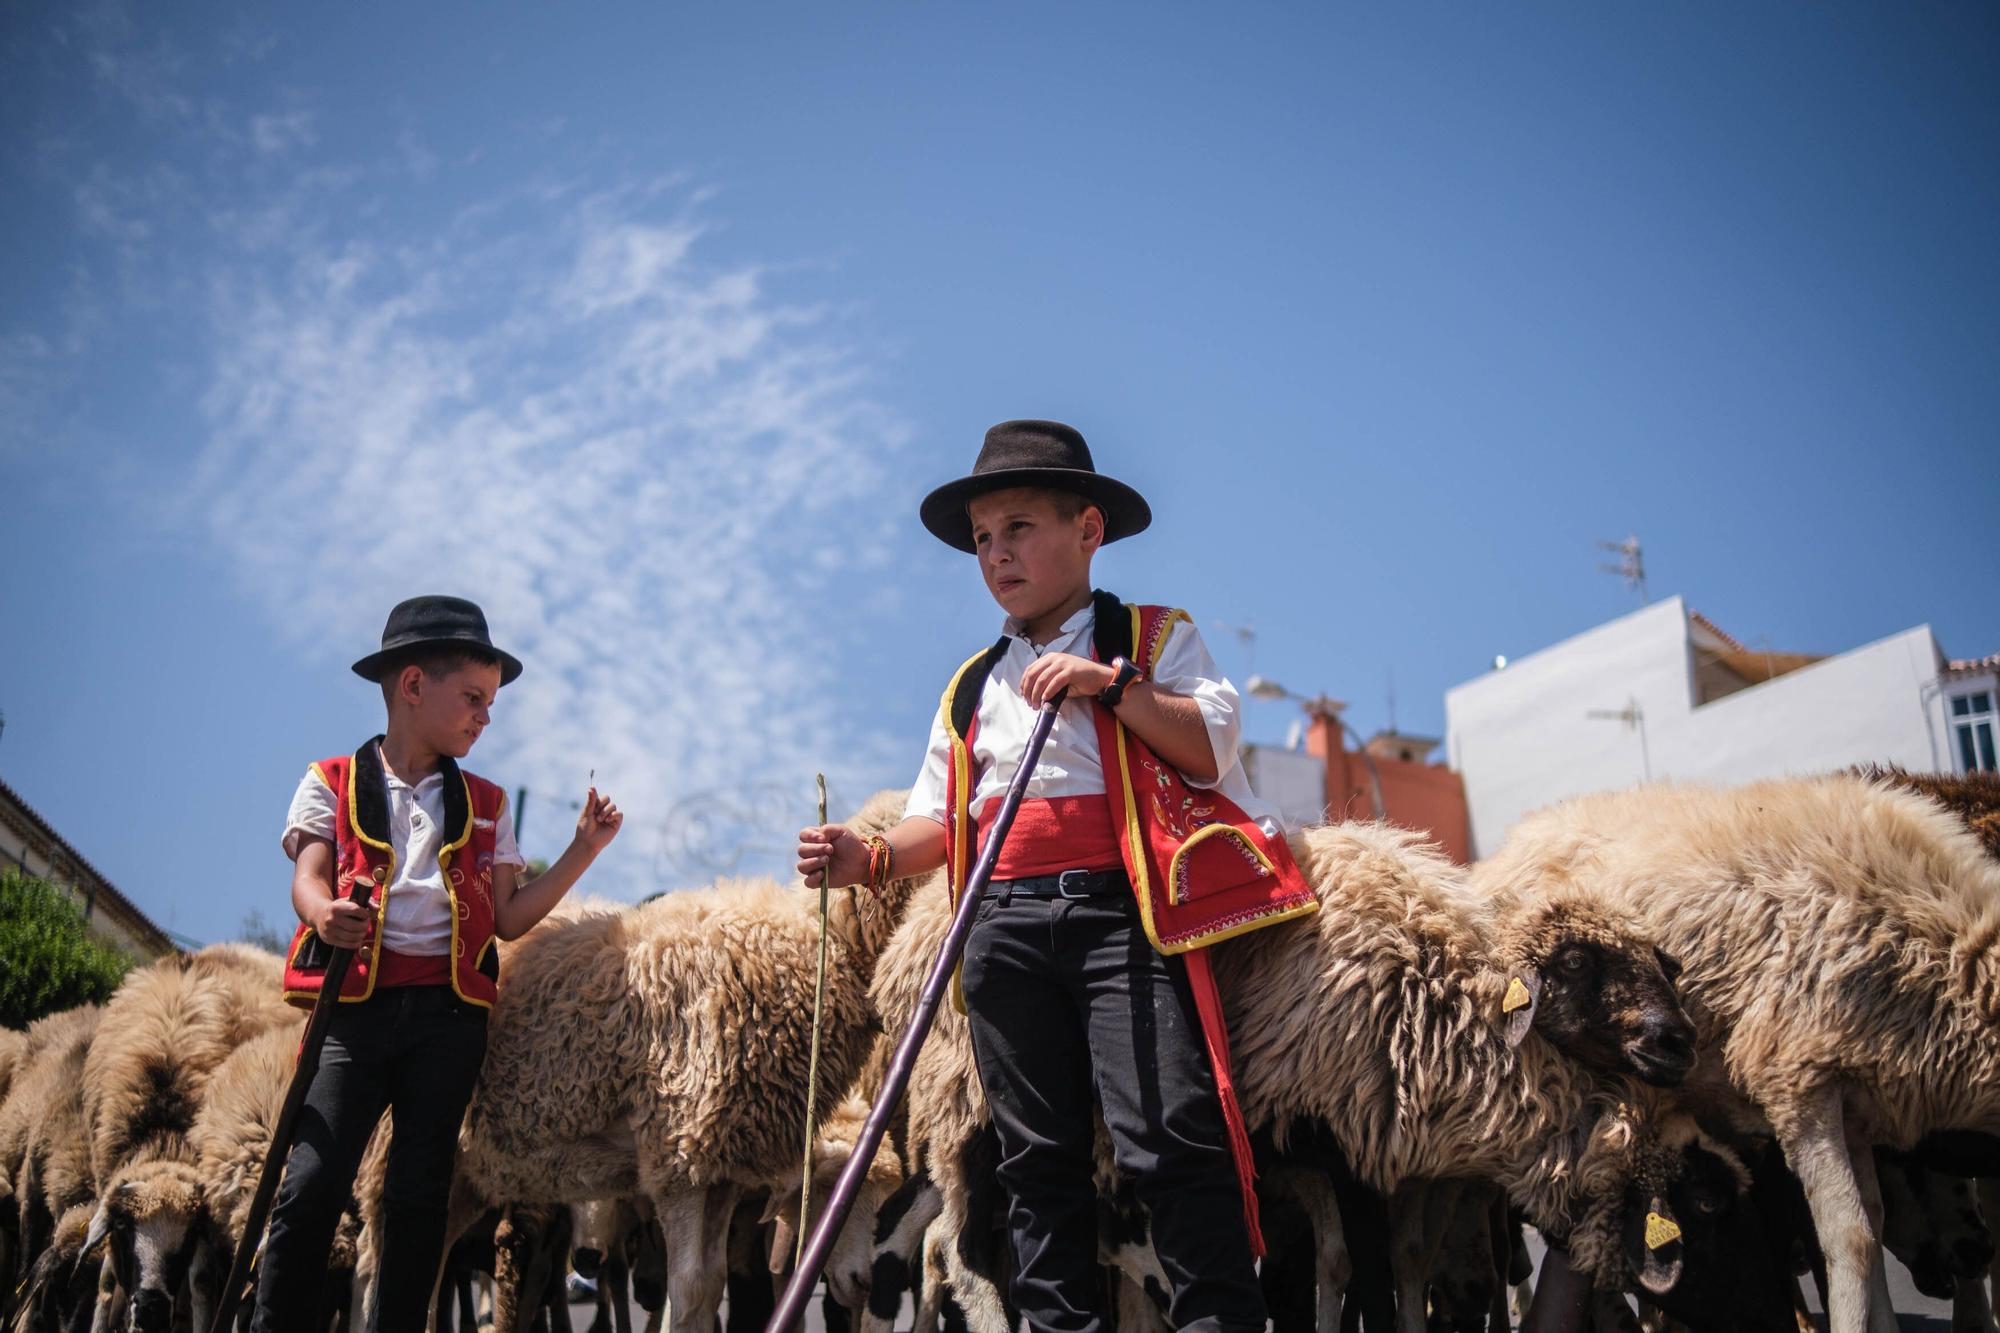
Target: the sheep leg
(1332, 1263)
(1971, 1312)
(1408, 1255)
(1815, 1143)
(1989, 1207)
(1881, 1309)
(696, 1224)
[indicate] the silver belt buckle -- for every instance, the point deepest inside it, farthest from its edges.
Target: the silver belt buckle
(1062, 885)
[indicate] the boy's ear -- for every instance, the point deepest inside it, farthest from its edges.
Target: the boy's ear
(1093, 525)
(403, 682)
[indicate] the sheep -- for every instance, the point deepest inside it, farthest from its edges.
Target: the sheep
(43, 1147)
(662, 1050)
(1842, 946)
(1390, 999)
(60, 1294)
(1932, 1224)
(163, 1033)
(605, 1232)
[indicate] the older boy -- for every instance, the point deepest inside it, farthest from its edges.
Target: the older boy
(410, 1029)
(1140, 842)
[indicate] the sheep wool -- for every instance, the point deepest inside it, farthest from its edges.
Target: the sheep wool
(1841, 940)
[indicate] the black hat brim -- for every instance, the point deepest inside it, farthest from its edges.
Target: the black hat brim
(943, 511)
(379, 664)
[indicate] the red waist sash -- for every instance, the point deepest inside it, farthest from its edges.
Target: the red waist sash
(413, 969)
(1051, 836)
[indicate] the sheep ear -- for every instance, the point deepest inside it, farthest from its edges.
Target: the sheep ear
(1668, 963)
(1517, 1007)
(100, 1227)
(779, 1210)
(1654, 1247)
(783, 1238)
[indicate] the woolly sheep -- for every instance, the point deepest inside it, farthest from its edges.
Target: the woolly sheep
(163, 1033)
(663, 1051)
(43, 1147)
(1380, 1018)
(1842, 946)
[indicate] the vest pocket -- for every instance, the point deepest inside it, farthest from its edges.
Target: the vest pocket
(312, 953)
(489, 960)
(1215, 859)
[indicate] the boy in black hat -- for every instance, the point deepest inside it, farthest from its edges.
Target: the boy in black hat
(1085, 979)
(437, 845)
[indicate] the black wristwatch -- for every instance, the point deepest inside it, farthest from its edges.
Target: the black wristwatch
(1114, 694)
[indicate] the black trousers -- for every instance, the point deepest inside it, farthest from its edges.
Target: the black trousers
(1072, 1008)
(413, 1049)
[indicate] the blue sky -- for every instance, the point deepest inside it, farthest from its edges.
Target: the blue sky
(648, 326)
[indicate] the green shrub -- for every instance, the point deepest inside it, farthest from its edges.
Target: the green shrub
(49, 960)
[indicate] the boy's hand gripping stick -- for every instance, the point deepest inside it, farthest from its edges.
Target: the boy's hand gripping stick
(805, 1275)
(362, 890)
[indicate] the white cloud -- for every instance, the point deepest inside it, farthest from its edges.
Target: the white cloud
(643, 464)
(274, 132)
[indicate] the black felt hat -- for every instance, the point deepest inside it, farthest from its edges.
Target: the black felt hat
(1033, 453)
(423, 622)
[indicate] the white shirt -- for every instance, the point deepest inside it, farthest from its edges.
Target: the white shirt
(416, 915)
(1070, 764)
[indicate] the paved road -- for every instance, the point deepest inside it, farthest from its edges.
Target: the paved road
(1920, 1314)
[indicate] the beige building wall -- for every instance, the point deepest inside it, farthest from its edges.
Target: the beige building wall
(27, 841)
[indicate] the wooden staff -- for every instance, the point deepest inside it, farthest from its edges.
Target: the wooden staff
(362, 891)
(805, 1275)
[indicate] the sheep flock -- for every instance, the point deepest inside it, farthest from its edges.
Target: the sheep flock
(1713, 1044)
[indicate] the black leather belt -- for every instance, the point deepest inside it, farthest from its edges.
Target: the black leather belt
(1069, 884)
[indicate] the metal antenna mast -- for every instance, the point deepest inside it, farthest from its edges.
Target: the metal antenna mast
(1631, 564)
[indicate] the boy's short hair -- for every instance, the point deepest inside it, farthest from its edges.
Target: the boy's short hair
(1067, 504)
(438, 661)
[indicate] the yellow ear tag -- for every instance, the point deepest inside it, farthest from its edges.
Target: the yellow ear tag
(1517, 995)
(1661, 1231)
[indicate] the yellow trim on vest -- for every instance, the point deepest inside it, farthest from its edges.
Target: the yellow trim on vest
(381, 898)
(1135, 839)
(1306, 908)
(451, 892)
(320, 773)
(1217, 829)
(960, 815)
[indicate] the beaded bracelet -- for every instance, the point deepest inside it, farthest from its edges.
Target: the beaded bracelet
(881, 861)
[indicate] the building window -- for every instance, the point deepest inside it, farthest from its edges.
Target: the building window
(1973, 722)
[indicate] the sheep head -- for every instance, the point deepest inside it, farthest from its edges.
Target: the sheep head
(61, 1287)
(153, 1217)
(1669, 1212)
(850, 1267)
(1595, 987)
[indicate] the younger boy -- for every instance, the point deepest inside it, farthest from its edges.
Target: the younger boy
(1139, 843)
(409, 1032)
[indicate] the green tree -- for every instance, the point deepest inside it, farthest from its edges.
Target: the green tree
(256, 930)
(49, 960)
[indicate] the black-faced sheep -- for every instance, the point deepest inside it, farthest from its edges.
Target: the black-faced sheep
(663, 1049)
(1842, 949)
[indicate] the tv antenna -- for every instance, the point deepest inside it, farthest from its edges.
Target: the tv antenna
(1631, 564)
(1245, 635)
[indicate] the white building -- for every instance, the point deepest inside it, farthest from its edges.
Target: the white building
(1663, 693)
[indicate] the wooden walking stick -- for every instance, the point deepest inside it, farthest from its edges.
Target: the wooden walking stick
(362, 892)
(805, 1275)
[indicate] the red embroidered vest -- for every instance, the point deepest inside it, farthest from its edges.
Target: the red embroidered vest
(362, 853)
(1201, 869)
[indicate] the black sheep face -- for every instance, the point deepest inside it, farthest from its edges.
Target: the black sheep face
(1697, 1246)
(1602, 994)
